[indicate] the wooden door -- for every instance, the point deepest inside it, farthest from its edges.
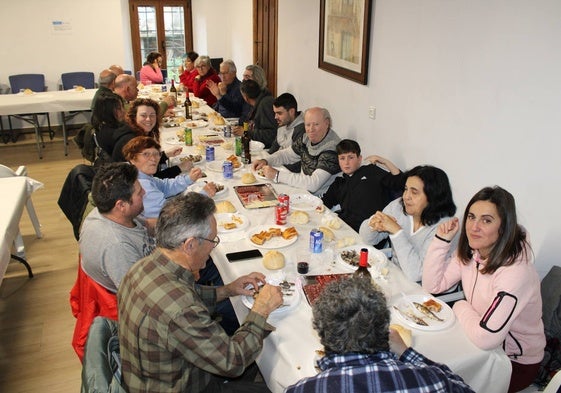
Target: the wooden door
(265, 19)
(163, 26)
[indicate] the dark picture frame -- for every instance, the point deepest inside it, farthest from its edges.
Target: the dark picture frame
(344, 38)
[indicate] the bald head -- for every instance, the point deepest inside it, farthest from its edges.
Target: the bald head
(107, 78)
(317, 122)
(125, 86)
(117, 69)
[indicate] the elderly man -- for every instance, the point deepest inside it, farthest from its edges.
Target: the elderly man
(106, 85)
(126, 87)
(230, 102)
(168, 338)
(117, 69)
(316, 151)
(363, 354)
(112, 239)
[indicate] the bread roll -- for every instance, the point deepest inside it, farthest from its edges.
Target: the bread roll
(248, 178)
(219, 121)
(225, 207)
(404, 333)
(328, 234)
(273, 260)
(299, 217)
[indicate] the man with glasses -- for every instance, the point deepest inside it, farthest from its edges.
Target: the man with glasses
(230, 102)
(168, 338)
(206, 74)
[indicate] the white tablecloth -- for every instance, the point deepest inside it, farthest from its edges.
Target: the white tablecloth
(49, 101)
(288, 353)
(13, 196)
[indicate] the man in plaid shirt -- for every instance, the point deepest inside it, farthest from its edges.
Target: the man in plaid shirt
(362, 353)
(169, 341)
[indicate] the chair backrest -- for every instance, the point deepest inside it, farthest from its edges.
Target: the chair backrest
(138, 76)
(215, 62)
(128, 72)
(71, 79)
(35, 82)
(164, 73)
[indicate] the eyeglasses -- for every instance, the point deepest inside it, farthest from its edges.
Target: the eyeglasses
(151, 154)
(215, 242)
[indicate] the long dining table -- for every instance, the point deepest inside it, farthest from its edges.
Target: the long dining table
(290, 352)
(61, 101)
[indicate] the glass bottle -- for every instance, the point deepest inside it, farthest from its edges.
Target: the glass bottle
(362, 270)
(188, 105)
(246, 139)
(173, 90)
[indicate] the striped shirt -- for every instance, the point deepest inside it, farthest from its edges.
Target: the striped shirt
(381, 372)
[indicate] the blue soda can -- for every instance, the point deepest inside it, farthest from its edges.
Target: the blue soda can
(209, 153)
(228, 169)
(316, 241)
(228, 131)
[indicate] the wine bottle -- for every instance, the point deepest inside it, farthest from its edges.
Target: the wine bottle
(173, 90)
(188, 105)
(246, 139)
(362, 270)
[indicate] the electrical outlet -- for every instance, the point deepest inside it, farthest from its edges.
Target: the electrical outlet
(372, 112)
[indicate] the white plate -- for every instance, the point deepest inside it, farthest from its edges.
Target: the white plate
(240, 220)
(306, 202)
(216, 166)
(201, 161)
(195, 123)
(173, 140)
(274, 242)
(199, 184)
(259, 176)
(445, 313)
(255, 146)
(290, 302)
(376, 258)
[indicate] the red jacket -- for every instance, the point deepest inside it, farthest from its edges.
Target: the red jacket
(88, 299)
(200, 90)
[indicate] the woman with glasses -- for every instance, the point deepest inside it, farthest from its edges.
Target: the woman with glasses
(143, 119)
(144, 153)
(206, 72)
(151, 71)
(188, 73)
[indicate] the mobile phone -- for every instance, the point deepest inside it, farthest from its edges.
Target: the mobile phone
(241, 255)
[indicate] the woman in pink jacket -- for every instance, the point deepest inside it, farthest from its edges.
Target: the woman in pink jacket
(151, 72)
(494, 260)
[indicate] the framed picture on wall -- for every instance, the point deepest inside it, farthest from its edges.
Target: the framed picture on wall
(344, 38)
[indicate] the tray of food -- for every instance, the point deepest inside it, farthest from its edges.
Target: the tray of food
(313, 285)
(257, 196)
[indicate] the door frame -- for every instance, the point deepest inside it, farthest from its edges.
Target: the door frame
(265, 39)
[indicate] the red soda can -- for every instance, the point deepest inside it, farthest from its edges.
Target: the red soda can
(284, 199)
(281, 212)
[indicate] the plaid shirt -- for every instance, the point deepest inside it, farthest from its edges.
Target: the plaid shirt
(169, 342)
(381, 372)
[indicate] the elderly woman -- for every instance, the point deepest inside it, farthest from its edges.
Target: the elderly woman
(188, 73)
(143, 119)
(206, 72)
(257, 74)
(411, 221)
(494, 262)
(151, 71)
(144, 153)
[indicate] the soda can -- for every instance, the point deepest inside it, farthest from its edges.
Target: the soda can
(316, 241)
(228, 169)
(188, 136)
(238, 146)
(228, 131)
(284, 199)
(209, 153)
(280, 214)
(164, 88)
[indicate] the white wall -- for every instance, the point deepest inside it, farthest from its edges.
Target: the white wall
(473, 87)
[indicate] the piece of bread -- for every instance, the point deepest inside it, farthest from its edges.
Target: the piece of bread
(289, 233)
(433, 305)
(404, 333)
(219, 120)
(248, 178)
(230, 225)
(257, 239)
(328, 234)
(273, 260)
(225, 207)
(299, 217)
(275, 231)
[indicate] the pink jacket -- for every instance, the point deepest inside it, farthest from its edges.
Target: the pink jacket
(148, 74)
(500, 308)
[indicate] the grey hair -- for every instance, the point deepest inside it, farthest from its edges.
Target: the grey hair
(183, 217)
(258, 75)
(106, 77)
(203, 60)
(231, 65)
(124, 80)
(324, 112)
(351, 315)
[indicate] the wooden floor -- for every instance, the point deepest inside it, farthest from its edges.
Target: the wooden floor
(36, 323)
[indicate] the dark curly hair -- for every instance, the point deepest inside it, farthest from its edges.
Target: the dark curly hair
(131, 118)
(511, 243)
(351, 315)
(111, 183)
(436, 187)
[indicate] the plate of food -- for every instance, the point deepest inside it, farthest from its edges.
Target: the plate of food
(306, 202)
(196, 124)
(260, 174)
(194, 158)
(377, 261)
(290, 294)
(211, 139)
(216, 166)
(199, 184)
(273, 236)
(423, 312)
(174, 140)
(231, 222)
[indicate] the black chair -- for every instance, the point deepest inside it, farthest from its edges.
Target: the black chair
(215, 62)
(164, 74)
(128, 72)
(35, 83)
